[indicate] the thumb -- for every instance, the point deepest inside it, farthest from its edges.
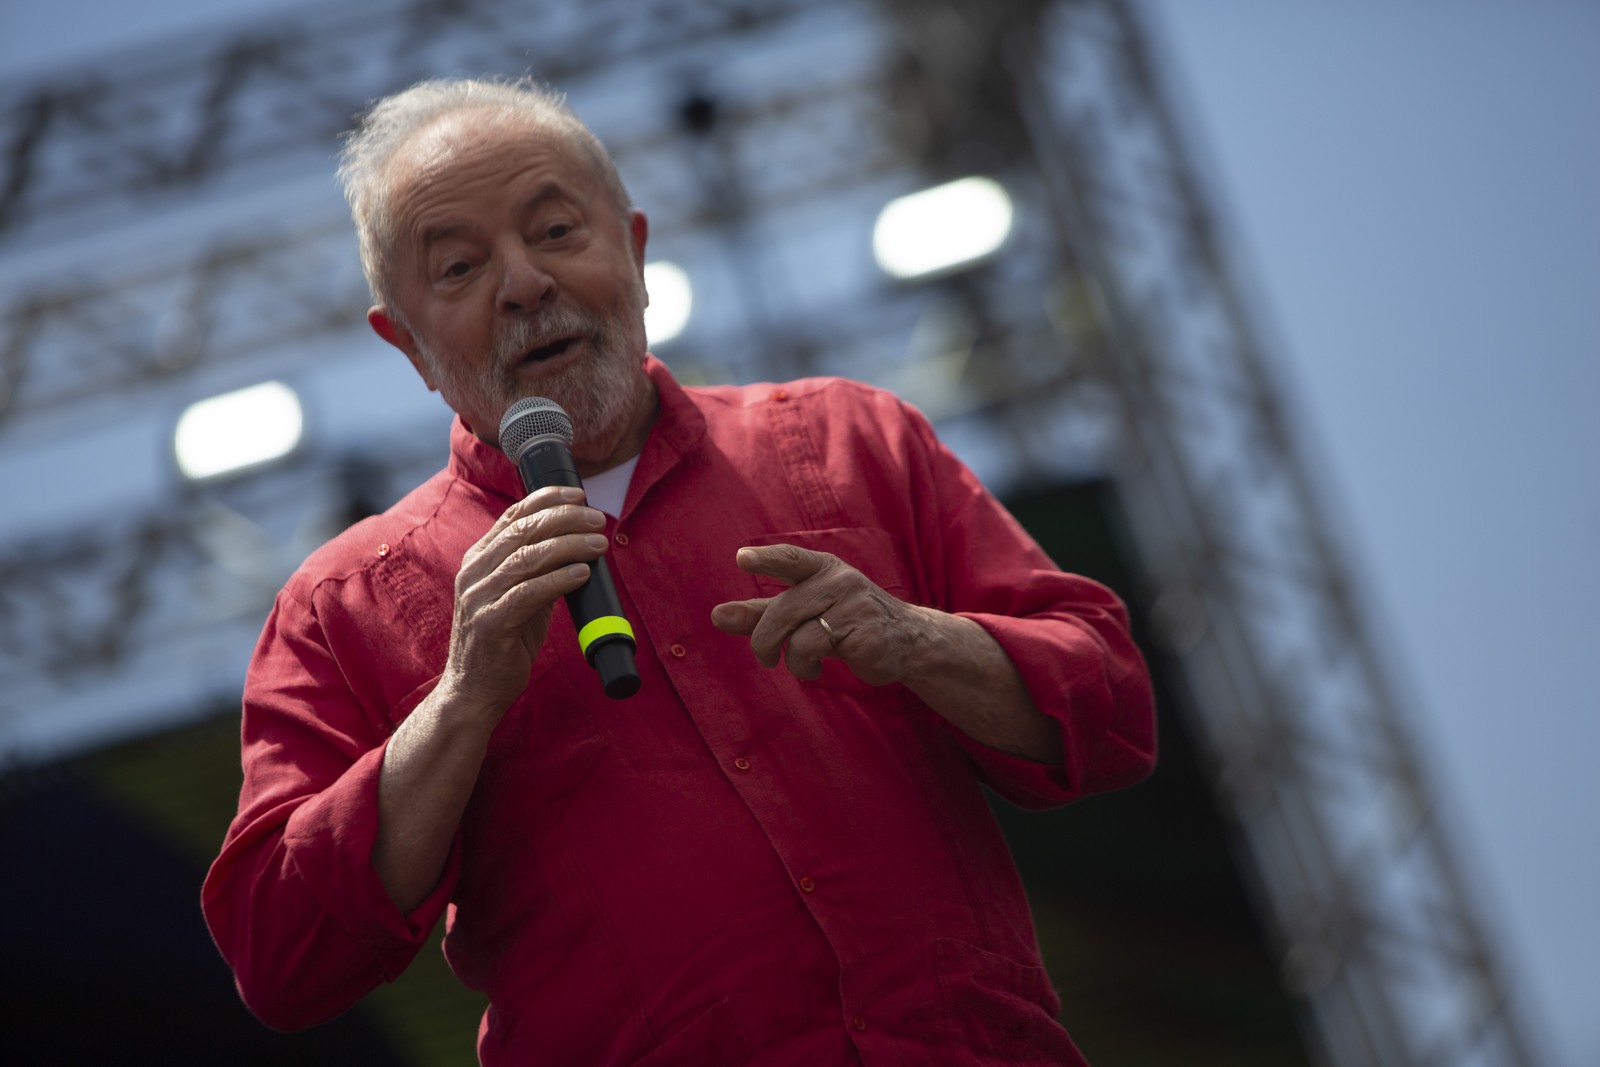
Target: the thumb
(739, 616)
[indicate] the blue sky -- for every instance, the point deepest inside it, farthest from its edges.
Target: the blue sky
(1412, 187)
(1411, 190)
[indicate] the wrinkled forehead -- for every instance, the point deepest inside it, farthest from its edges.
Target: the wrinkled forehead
(455, 143)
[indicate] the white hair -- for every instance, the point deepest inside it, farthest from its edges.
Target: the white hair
(384, 128)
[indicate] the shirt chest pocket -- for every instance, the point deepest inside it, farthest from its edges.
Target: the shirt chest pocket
(870, 550)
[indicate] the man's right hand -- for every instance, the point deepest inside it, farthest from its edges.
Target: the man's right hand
(536, 552)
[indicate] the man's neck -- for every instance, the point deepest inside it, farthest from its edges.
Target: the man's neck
(630, 442)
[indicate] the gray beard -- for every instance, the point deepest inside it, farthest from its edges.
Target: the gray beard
(597, 393)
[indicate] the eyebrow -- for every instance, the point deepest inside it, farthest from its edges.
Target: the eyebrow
(547, 191)
(434, 234)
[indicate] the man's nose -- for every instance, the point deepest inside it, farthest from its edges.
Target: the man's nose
(524, 284)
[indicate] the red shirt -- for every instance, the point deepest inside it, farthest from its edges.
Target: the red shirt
(732, 862)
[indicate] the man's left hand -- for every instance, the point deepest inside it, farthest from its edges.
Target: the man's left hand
(949, 661)
(875, 634)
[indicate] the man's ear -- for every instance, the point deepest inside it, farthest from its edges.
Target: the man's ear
(390, 329)
(639, 232)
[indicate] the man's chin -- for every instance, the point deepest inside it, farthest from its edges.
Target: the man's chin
(600, 394)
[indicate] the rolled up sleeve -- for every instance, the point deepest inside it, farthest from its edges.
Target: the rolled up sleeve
(293, 901)
(1068, 637)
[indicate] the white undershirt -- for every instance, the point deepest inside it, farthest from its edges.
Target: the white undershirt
(608, 490)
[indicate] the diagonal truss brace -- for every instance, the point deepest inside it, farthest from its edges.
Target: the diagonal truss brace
(1255, 600)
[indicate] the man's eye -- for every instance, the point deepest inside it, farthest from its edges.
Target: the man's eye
(457, 269)
(558, 231)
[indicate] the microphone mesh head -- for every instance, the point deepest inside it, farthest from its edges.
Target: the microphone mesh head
(529, 418)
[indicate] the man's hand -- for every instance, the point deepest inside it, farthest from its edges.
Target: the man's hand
(950, 662)
(875, 634)
(535, 553)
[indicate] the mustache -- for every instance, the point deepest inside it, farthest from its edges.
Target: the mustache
(523, 335)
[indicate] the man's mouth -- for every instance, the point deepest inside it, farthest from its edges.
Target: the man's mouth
(544, 352)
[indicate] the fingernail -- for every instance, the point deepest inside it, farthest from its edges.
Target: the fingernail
(595, 541)
(577, 570)
(571, 494)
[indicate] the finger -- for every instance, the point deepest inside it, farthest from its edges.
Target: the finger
(549, 524)
(546, 556)
(542, 524)
(525, 599)
(541, 499)
(548, 496)
(787, 563)
(739, 617)
(807, 646)
(786, 614)
(487, 587)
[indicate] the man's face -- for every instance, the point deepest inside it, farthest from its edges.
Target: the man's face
(517, 275)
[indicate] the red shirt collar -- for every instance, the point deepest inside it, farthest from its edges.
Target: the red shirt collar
(679, 428)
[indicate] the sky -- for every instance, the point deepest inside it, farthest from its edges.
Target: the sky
(1409, 188)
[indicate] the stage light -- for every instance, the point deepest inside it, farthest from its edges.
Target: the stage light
(229, 433)
(940, 229)
(671, 300)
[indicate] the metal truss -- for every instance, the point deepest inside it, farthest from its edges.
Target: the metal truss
(172, 121)
(1253, 595)
(126, 626)
(109, 331)
(1112, 337)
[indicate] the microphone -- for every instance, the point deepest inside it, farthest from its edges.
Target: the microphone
(536, 435)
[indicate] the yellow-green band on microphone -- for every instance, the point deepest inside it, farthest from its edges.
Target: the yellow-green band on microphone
(604, 626)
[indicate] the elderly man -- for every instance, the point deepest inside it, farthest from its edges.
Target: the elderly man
(740, 863)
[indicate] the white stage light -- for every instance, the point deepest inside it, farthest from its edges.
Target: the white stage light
(939, 229)
(245, 428)
(671, 300)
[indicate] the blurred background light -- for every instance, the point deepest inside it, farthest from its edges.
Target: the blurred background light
(942, 228)
(234, 431)
(671, 301)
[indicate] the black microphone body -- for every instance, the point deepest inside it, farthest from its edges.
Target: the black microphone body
(536, 434)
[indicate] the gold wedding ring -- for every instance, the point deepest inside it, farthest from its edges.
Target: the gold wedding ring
(827, 629)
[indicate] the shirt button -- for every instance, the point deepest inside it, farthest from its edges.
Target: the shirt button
(679, 651)
(383, 550)
(780, 394)
(859, 1023)
(621, 538)
(807, 885)
(742, 763)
